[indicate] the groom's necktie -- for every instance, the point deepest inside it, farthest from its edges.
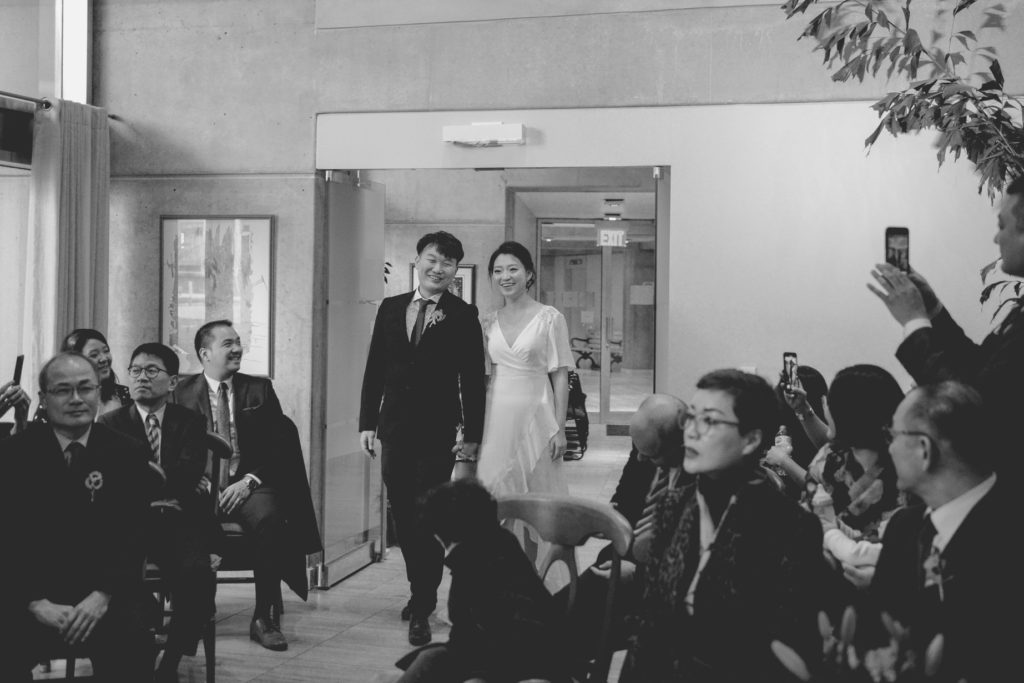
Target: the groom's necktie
(421, 316)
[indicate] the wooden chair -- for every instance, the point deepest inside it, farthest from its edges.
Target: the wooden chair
(567, 523)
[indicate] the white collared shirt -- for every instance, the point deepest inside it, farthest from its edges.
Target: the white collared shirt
(65, 441)
(414, 308)
(159, 412)
(947, 518)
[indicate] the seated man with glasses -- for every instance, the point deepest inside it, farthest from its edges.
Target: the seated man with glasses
(732, 562)
(946, 567)
(76, 494)
(182, 530)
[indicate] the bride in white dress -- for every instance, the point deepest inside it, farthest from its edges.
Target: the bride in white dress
(528, 349)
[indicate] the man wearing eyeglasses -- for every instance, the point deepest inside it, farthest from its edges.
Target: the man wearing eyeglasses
(945, 566)
(181, 529)
(75, 495)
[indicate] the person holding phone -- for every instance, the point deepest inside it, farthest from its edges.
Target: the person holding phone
(935, 348)
(13, 396)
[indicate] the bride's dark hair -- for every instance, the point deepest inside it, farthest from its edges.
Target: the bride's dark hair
(517, 251)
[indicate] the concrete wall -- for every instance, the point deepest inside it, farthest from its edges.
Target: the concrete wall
(136, 205)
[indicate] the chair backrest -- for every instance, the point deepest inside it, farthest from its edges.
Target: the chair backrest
(219, 450)
(566, 523)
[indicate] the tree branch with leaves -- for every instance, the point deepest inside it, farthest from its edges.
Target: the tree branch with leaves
(972, 113)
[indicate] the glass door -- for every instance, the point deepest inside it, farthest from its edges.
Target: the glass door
(351, 489)
(600, 275)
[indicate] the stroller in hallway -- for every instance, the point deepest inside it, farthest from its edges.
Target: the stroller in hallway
(578, 432)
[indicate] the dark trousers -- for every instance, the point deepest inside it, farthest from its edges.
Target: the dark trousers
(411, 468)
(178, 545)
(120, 647)
(262, 518)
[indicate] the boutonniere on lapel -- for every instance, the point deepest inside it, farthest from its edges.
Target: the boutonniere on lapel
(436, 316)
(93, 482)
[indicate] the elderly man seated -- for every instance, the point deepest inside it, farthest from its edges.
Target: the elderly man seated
(79, 493)
(653, 468)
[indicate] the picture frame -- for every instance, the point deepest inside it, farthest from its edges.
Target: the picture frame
(463, 284)
(218, 268)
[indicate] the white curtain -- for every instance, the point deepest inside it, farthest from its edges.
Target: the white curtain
(66, 250)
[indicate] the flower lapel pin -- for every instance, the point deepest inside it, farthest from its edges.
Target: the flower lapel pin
(94, 482)
(435, 317)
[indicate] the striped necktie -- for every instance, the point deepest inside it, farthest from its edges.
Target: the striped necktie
(153, 432)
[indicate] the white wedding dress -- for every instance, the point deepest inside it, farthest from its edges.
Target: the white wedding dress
(519, 422)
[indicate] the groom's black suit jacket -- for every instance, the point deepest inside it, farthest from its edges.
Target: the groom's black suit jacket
(430, 387)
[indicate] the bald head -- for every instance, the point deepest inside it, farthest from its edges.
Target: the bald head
(657, 429)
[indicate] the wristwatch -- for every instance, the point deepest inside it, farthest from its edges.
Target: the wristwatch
(251, 482)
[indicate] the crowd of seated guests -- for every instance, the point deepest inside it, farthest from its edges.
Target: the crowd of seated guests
(730, 570)
(115, 475)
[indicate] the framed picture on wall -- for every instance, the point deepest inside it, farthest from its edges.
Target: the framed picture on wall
(463, 284)
(218, 268)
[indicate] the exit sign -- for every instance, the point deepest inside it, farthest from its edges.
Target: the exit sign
(611, 238)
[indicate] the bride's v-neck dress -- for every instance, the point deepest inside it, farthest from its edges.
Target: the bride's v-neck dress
(519, 421)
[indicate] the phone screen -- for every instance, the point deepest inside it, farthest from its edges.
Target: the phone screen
(789, 366)
(897, 248)
(17, 369)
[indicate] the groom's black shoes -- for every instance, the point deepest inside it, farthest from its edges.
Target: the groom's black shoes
(419, 630)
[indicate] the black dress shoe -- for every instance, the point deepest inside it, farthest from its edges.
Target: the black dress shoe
(266, 633)
(419, 630)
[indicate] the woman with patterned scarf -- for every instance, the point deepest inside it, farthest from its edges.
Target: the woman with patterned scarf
(854, 482)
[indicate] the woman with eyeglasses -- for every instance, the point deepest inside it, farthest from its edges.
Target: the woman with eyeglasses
(93, 345)
(731, 563)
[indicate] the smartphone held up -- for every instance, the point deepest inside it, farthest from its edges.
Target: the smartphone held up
(897, 247)
(789, 370)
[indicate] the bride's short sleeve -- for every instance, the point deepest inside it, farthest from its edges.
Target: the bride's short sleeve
(559, 351)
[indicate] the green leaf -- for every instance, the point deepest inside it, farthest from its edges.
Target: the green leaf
(961, 5)
(997, 72)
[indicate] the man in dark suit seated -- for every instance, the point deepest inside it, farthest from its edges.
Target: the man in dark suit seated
(181, 529)
(263, 487)
(934, 348)
(75, 498)
(948, 566)
(654, 467)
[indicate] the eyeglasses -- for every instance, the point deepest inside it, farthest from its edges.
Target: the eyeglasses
(64, 391)
(889, 434)
(703, 423)
(151, 371)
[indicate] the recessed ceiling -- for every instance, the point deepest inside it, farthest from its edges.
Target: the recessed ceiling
(587, 205)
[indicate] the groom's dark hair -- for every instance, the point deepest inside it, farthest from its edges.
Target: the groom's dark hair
(448, 245)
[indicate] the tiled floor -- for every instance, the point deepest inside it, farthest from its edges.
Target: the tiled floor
(353, 632)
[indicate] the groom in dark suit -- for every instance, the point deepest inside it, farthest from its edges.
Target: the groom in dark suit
(948, 566)
(181, 529)
(424, 377)
(264, 486)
